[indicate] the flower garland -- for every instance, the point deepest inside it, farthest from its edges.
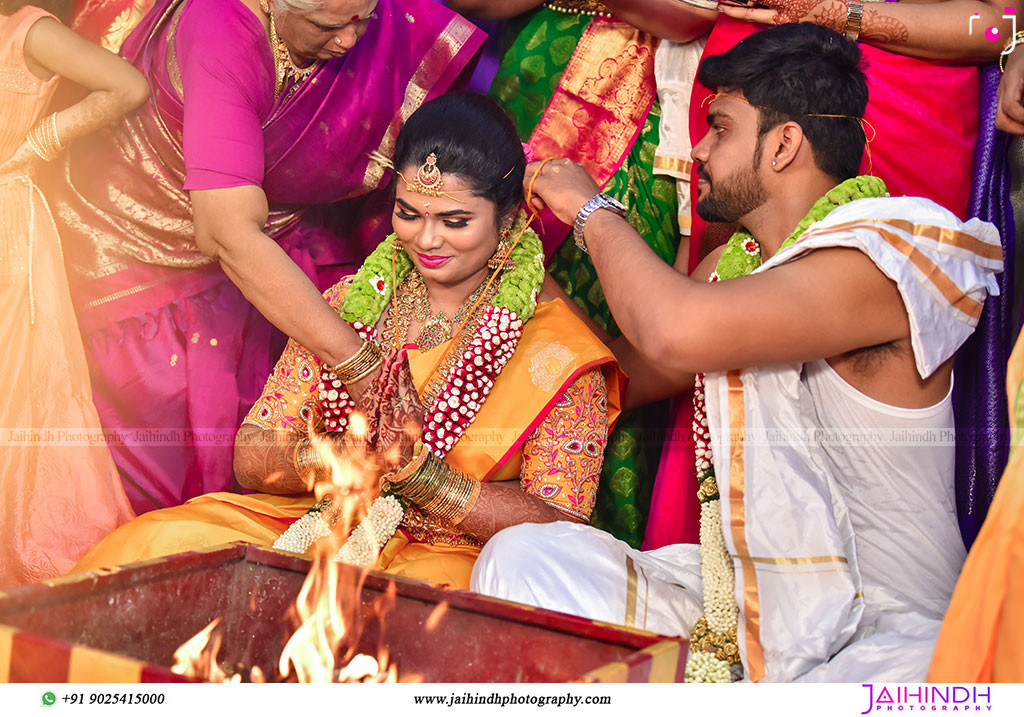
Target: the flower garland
(461, 396)
(714, 648)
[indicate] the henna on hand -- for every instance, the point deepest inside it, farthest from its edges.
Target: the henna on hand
(501, 506)
(393, 412)
(880, 29)
(827, 13)
(264, 461)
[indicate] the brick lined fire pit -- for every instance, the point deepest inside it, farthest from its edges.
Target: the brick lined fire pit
(124, 626)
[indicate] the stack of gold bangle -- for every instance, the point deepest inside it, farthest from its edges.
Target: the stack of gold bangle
(44, 139)
(360, 365)
(307, 458)
(437, 488)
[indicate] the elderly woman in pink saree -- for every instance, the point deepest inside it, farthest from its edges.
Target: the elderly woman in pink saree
(225, 205)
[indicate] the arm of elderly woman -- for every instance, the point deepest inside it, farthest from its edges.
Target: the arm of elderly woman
(115, 86)
(928, 30)
(229, 227)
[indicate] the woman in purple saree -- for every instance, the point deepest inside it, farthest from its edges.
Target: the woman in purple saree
(206, 210)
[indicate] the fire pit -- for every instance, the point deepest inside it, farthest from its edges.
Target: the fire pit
(123, 625)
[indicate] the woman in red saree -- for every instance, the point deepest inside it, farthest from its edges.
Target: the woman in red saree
(205, 211)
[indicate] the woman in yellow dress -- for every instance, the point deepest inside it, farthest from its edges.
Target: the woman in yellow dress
(513, 394)
(59, 489)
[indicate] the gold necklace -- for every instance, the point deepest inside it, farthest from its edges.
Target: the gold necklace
(411, 302)
(284, 67)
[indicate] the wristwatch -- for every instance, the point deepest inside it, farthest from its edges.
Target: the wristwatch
(598, 201)
(854, 16)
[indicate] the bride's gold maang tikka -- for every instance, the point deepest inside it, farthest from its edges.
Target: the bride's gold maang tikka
(428, 178)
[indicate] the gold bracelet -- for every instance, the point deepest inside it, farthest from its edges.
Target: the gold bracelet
(1012, 42)
(54, 133)
(469, 504)
(422, 486)
(456, 497)
(360, 365)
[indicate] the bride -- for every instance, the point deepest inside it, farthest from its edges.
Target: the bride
(513, 396)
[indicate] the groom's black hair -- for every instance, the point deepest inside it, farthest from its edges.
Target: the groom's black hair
(791, 71)
(472, 138)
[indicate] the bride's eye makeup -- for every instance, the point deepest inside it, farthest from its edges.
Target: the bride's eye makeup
(456, 223)
(402, 214)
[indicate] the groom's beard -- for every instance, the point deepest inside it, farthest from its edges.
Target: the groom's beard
(728, 199)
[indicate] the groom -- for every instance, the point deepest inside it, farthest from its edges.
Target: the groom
(822, 337)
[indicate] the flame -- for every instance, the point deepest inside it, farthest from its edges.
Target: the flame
(197, 657)
(435, 616)
(328, 610)
(323, 647)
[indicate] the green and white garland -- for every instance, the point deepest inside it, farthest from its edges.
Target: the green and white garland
(458, 402)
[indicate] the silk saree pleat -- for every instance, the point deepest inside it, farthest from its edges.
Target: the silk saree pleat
(979, 396)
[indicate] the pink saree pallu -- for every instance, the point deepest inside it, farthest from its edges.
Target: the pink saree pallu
(176, 353)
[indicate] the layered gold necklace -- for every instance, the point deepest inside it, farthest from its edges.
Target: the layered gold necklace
(412, 303)
(285, 70)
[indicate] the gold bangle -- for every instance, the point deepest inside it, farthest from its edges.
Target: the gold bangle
(54, 134)
(469, 504)
(307, 459)
(37, 141)
(45, 140)
(422, 486)
(360, 365)
(419, 455)
(34, 145)
(441, 491)
(1011, 43)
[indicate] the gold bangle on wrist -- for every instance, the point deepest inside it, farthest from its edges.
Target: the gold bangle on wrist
(391, 480)
(439, 490)
(45, 140)
(307, 458)
(1008, 49)
(360, 365)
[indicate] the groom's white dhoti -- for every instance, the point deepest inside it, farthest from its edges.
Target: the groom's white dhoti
(837, 510)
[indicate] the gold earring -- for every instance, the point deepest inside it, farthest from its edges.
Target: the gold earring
(502, 258)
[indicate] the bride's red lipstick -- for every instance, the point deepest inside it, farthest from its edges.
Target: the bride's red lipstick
(432, 262)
